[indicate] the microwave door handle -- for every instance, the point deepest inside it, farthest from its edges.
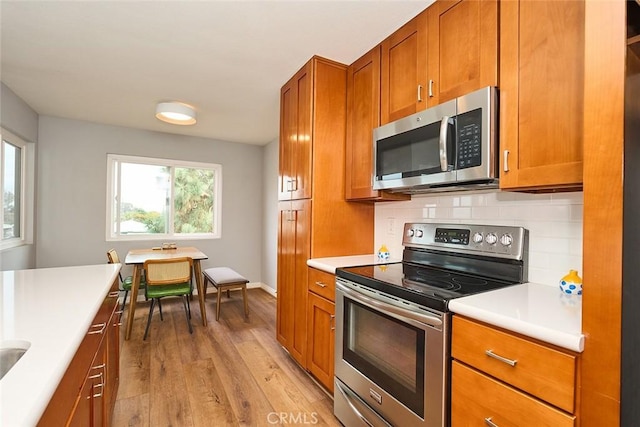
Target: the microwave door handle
(444, 130)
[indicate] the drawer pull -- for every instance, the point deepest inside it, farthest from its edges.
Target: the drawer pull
(490, 423)
(97, 331)
(113, 294)
(322, 285)
(510, 362)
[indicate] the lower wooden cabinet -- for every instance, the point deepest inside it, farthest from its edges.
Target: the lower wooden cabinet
(320, 338)
(507, 379)
(477, 399)
(85, 396)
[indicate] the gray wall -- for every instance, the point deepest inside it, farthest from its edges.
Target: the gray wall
(270, 217)
(72, 166)
(17, 117)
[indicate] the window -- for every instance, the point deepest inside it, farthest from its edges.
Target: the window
(16, 162)
(162, 199)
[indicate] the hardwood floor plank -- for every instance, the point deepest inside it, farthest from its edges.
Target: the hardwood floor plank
(209, 402)
(248, 402)
(169, 402)
(282, 392)
(231, 373)
(134, 361)
(132, 411)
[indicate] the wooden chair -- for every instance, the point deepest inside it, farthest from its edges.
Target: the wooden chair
(166, 278)
(224, 278)
(125, 283)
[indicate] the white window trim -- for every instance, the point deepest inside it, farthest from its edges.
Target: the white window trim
(28, 190)
(112, 158)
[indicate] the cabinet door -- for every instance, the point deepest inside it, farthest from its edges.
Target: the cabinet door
(321, 336)
(541, 94)
(112, 369)
(404, 70)
(462, 46)
(81, 416)
(294, 180)
(363, 115)
(293, 252)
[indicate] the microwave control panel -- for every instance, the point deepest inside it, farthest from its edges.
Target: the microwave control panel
(469, 147)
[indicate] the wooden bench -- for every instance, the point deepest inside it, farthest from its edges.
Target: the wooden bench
(224, 278)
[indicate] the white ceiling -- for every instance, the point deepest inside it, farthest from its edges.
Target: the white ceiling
(113, 61)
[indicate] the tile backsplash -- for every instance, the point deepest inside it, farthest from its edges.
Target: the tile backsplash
(554, 222)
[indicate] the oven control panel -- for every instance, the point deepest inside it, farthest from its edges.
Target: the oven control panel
(490, 240)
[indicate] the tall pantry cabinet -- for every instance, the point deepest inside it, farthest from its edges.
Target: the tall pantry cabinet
(315, 220)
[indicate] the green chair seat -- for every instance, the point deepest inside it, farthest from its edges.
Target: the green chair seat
(128, 282)
(159, 291)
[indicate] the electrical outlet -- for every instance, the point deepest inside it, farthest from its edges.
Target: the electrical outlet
(391, 226)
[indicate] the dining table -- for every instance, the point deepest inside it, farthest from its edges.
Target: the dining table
(137, 257)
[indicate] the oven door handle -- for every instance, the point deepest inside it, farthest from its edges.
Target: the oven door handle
(351, 401)
(393, 310)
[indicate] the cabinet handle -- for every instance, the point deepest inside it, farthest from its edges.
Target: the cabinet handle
(510, 362)
(322, 285)
(97, 331)
(490, 423)
(505, 163)
(430, 88)
(119, 314)
(333, 321)
(100, 384)
(113, 294)
(294, 185)
(419, 93)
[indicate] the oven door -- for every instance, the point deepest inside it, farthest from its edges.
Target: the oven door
(392, 355)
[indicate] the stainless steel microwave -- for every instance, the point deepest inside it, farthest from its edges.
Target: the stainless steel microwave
(447, 147)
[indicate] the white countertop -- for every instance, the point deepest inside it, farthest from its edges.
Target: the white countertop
(51, 309)
(330, 264)
(535, 310)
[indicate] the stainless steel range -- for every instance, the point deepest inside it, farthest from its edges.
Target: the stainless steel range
(392, 321)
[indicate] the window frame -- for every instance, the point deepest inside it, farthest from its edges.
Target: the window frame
(113, 183)
(27, 188)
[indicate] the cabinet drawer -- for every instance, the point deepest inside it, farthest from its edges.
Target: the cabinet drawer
(477, 399)
(322, 283)
(542, 371)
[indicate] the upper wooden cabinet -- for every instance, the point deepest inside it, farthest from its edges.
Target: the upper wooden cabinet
(462, 48)
(448, 50)
(404, 70)
(294, 178)
(541, 94)
(363, 115)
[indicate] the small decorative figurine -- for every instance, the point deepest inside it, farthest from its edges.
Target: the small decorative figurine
(571, 283)
(383, 253)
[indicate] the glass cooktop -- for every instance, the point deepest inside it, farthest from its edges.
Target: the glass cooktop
(431, 287)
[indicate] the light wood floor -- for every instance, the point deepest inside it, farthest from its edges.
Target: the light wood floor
(232, 372)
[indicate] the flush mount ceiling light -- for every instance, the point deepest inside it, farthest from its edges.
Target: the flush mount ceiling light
(176, 113)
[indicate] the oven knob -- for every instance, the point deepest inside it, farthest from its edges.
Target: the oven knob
(477, 238)
(491, 239)
(410, 232)
(419, 233)
(506, 239)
